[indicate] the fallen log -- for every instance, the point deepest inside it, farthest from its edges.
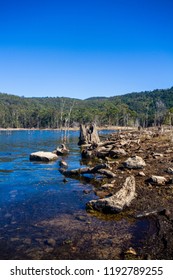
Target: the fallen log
(116, 202)
(89, 170)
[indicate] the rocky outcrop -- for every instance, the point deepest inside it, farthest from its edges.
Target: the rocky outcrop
(134, 162)
(43, 156)
(117, 202)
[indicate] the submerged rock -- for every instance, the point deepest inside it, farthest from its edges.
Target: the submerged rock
(134, 162)
(43, 156)
(117, 202)
(63, 164)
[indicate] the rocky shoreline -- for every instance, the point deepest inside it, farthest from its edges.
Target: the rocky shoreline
(140, 187)
(69, 128)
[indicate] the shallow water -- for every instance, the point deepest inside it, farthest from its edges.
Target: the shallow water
(43, 217)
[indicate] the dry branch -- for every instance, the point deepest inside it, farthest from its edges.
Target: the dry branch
(89, 170)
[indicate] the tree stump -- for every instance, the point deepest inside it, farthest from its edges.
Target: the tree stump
(88, 135)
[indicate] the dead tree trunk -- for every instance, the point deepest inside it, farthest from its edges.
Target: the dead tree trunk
(89, 170)
(88, 134)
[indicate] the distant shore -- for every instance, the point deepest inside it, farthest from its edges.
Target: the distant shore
(71, 128)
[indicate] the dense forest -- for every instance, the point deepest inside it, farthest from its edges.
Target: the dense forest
(145, 109)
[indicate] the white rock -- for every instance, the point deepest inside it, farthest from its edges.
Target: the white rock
(134, 162)
(43, 156)
(142, 174)
(159, 180)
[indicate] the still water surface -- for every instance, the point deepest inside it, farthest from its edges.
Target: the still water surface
(43, 217)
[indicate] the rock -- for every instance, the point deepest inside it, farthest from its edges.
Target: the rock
(87, 154)
(134, 162)
(50, 242)
(65, 180)
(142, 174)
(107, 173)
(169, 170)
(107, 186)
(63, 164)
(124, 142)
(117, 202)
(131, 251)
(43, 156)
(117, 153)
(159, 180)
(157, 155)
(62, 150)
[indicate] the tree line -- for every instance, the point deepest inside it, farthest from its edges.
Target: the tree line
(145, 109)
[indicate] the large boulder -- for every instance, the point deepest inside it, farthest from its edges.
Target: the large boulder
(43, 156)
(117, 202)
(134, 162)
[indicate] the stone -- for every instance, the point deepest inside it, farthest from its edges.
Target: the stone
(169, 170)
(117, 153)
(107, 186)
(134, 162)
(141, 173)
(159, 180)
(157, 155)
(62, 150)
(63, 164)
(50, 242)
(131, 251)
(43, 156)
(117, 202)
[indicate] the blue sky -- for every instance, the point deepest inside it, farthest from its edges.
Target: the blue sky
(85, 48)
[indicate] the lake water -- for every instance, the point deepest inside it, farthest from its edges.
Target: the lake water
(44, 217)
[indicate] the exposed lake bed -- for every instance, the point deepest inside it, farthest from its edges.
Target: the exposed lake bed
(44, 217)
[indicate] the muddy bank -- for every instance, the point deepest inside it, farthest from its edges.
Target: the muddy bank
(147, 155)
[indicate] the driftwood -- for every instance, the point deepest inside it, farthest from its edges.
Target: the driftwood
(89, 170)
(116, 202)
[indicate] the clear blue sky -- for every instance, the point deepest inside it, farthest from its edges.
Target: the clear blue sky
(85, 48)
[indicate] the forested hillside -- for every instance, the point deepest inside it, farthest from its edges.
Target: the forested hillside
(144, 108)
